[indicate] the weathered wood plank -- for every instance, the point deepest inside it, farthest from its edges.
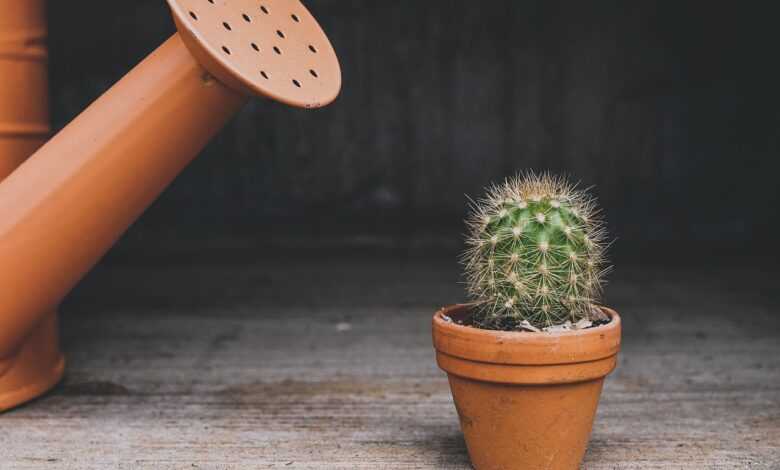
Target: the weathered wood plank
(655, 107)
(313, 361)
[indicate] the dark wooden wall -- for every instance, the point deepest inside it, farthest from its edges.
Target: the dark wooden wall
(668, 108)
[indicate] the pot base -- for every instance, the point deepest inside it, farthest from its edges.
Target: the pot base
(525, 427)
(35, 368)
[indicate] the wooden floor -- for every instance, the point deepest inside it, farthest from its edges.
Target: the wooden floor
(286, 361)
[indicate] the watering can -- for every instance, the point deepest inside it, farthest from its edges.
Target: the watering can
(65, 205)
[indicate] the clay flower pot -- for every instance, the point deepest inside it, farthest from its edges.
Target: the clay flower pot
(525, 400)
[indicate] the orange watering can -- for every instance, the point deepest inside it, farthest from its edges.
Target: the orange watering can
(64, 206)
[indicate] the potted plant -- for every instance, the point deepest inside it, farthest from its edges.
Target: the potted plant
(526, 360)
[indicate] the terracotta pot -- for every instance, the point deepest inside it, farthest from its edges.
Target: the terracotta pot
(525, 400)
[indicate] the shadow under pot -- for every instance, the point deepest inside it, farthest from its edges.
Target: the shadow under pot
(525, 400)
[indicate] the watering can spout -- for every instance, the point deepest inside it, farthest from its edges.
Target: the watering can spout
(66, 205)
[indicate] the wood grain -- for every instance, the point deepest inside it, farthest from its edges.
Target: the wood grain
(672, 118)
(313, 361)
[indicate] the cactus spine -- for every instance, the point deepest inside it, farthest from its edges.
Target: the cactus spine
(535, 254)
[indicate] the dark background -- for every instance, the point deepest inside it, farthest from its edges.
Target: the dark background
(272, 308)
(669, 109)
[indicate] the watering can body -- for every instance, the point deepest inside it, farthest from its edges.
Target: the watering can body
(34, 364)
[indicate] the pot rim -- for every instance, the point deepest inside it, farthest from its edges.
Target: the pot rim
(525, 348)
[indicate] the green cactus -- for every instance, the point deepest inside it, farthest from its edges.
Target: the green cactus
(535, 256)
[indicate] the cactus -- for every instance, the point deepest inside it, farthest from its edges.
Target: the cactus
(535, 257)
